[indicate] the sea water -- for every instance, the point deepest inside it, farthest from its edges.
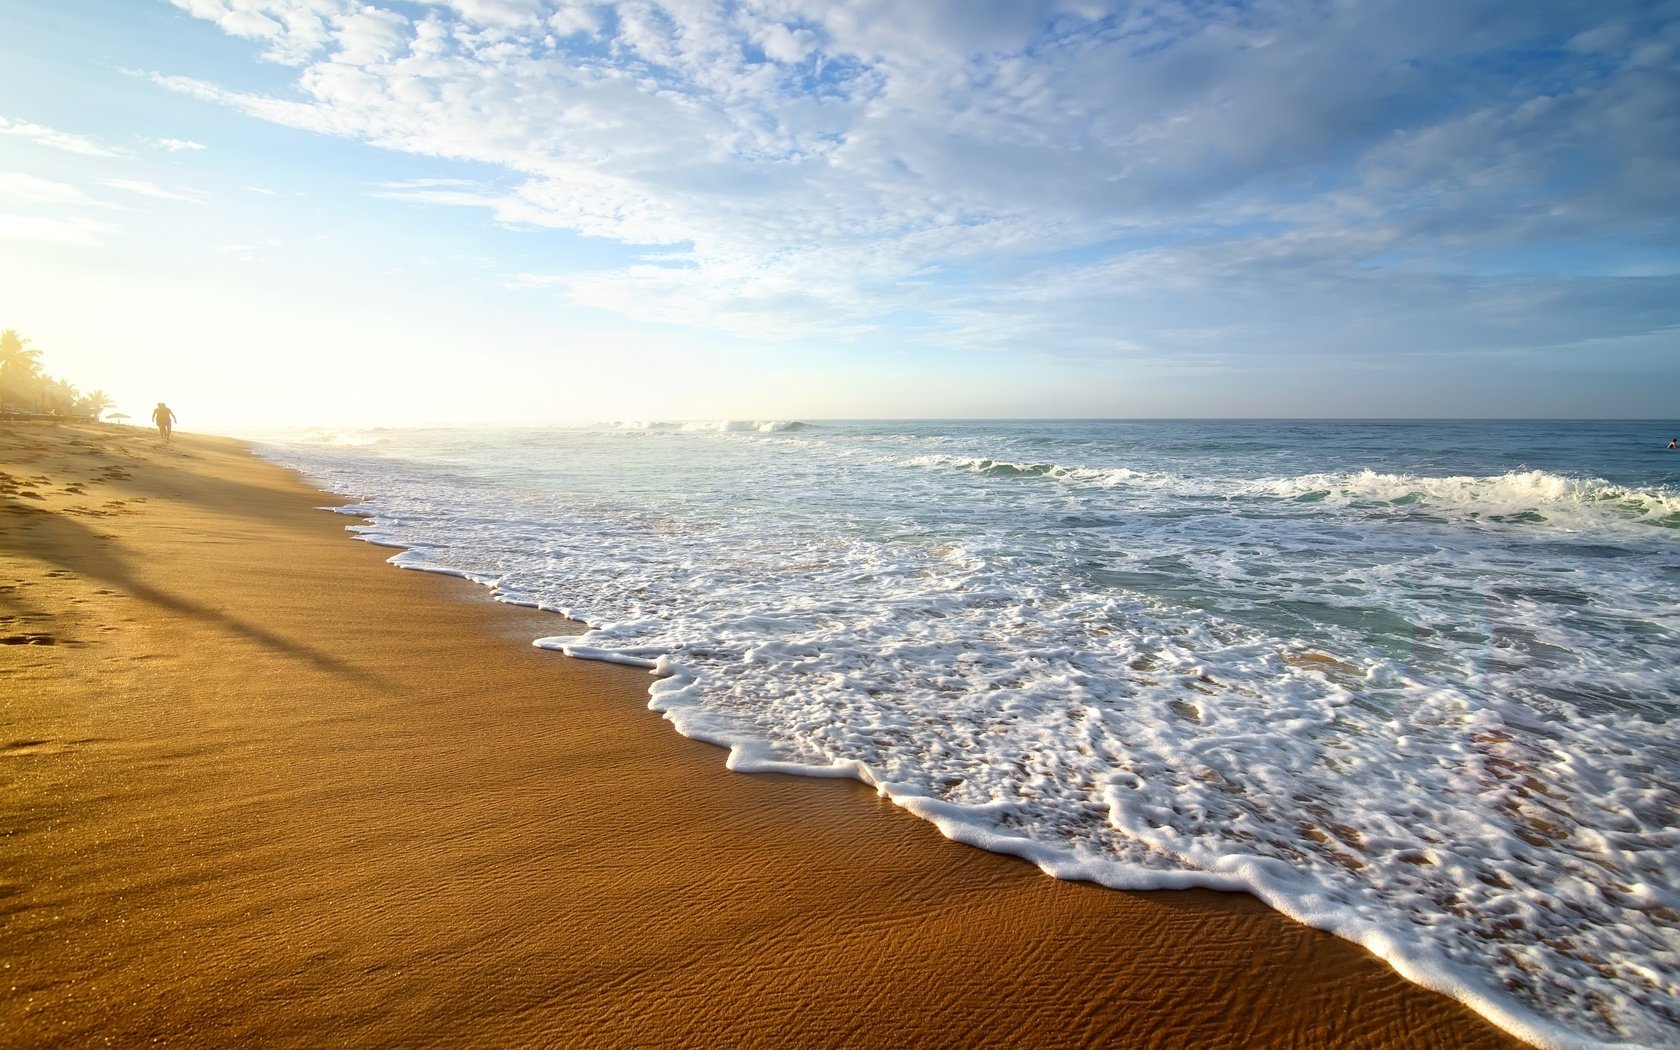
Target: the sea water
(1414, 683)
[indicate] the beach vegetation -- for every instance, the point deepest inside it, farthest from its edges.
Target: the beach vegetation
(94, 403)
(62, 395)
(26, 391)
(20, 363)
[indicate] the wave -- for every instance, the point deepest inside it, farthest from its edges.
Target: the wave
(1520, 497)
(748, 426)
(340, 438)
(717, 426)
(997, 468)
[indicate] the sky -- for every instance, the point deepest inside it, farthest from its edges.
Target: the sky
(322, 212)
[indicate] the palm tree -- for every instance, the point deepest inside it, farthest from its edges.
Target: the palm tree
(20, 364)
(93, 404)
(64, 394)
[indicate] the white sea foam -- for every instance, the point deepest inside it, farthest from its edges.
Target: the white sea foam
(1540, 496)
(1105, 477)
(1536, 494)
(723, 426)
(1431, 713)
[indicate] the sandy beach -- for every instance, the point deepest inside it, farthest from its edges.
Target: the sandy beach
(260, 787)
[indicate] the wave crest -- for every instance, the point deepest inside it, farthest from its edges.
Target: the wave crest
(715, 426)
(1520, 496)
(1523, 497)
(995, 468)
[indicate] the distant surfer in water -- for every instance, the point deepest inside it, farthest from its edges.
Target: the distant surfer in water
(1674, 443)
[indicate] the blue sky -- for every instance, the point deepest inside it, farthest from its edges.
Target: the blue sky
(320, 211)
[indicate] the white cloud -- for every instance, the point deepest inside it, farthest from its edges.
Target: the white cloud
(408, 185)
(294, 30)
(147, 189)
(176, 145)
(517, 13)
(59, 140)
(16, 186)
(444, 192)
(370, 35)
(818, 167)
(521, 282)
(62, 231)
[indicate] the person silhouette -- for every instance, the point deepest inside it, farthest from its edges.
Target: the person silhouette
(1674, 443)
(164, 417)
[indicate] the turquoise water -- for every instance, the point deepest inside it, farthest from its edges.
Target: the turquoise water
(1414, 682)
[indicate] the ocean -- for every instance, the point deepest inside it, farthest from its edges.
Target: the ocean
(1414, 683)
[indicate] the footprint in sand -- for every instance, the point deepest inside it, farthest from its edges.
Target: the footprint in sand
(28, 639)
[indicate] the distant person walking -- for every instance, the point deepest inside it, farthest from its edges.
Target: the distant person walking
(164, 417)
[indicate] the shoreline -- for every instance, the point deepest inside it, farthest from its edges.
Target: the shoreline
(260, 786)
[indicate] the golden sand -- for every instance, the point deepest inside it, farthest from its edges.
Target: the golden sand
(259, 787)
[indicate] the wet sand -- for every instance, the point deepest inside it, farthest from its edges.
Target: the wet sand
(258, 786)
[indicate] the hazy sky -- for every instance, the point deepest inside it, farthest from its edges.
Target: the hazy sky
(272, 211)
